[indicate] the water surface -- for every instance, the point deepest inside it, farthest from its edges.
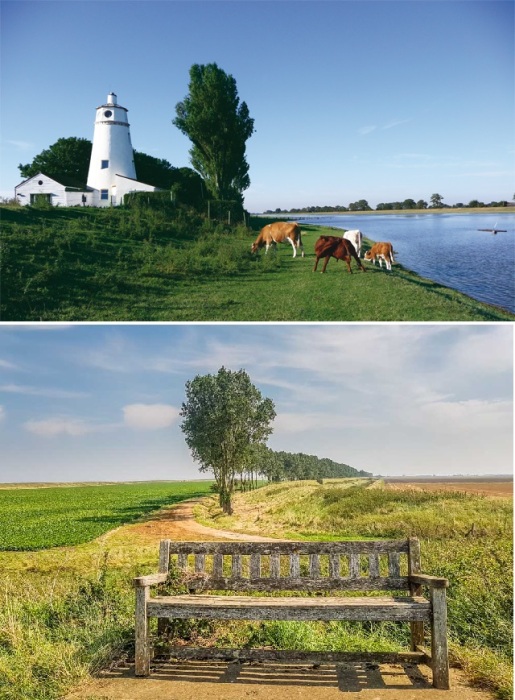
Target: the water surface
(446, 248)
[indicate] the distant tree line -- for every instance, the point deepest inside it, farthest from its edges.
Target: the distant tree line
(292, 466)
(436, 202)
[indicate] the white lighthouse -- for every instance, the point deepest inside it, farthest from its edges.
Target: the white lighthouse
(111, 169)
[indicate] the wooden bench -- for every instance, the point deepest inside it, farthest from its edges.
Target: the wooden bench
(315, 571)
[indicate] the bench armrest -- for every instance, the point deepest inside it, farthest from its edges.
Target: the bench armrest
(149, 580)
(431, 581)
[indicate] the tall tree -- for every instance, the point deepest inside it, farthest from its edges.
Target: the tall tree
(218, 127)
(436, 201)
(224, 416)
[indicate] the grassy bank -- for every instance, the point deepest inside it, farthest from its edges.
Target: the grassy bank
(147, 265)
(466, 538)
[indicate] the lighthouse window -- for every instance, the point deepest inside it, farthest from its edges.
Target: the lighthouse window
(104, 194)
(104, 165)
(108, 113)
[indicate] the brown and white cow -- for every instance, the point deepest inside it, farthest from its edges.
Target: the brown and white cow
(355, 237)
(335, 247)
(279, 232)
(381, 251)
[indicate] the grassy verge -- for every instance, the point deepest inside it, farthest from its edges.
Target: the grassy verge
(146, 265)
(466, 538)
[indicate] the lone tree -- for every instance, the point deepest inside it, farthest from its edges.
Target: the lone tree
(218, 126)
(224, 418)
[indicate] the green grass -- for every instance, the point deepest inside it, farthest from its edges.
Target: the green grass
(67, 612)
(39, 518)
(479, 567)
(147, 265)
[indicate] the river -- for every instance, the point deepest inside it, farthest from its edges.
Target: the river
(446, 248)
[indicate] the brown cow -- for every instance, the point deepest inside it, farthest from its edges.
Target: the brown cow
(279, 232)
(335, 247)
(381, 251)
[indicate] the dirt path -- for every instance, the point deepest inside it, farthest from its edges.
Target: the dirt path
(234, 681)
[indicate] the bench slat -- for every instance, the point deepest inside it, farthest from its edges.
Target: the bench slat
(305, 584)
(286, 548)
(294, 566)
(314, 566)
(255, 565)
(275, 565)
(218, 566)
(406, 608)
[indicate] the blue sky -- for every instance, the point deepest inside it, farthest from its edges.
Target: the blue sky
(101, 402)
(380, 100)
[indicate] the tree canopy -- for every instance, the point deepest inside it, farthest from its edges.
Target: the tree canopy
(218, 127)
(66, 161)
(224, 418)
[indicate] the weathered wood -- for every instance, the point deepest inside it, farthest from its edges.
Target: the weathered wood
(275, 565)
(373, 565)
(263, 571)
(432, 581)
(142, 652)
(273, 608)
(255, 565)
(294, 566)
(439, 653)
(287, 656)
(354, 565)
(149, 580)
(236, 565)
(164, 556)
(414, 568)
(218, 566)
(285, 548)
(304, 584)
(334, 566)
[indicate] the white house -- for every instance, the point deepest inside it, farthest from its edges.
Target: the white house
(44, 188)
(111, 175)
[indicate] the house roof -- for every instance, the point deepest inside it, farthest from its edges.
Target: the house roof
(68, 183)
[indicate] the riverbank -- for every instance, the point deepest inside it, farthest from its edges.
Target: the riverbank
(402, 212)
(124, 265)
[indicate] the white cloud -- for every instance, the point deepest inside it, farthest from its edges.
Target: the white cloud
(466, 416)
(22, 145)
(366, 130)
(5, 364)
(149, 416)
(302, 422)
(47, 393)
(52, 427)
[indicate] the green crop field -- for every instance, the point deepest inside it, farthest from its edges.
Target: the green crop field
(38, 518)
(150, 265)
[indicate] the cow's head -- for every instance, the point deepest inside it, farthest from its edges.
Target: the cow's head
(367, 255)
(254, 248)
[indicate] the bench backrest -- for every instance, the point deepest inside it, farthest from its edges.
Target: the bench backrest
(307, 566)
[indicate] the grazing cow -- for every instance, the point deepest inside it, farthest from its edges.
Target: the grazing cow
(355, 237)
(381, 251)
(335, 247)
(279, 232)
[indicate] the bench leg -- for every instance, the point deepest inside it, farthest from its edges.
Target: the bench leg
(439, 653)
(417, 635)
(142, 652)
